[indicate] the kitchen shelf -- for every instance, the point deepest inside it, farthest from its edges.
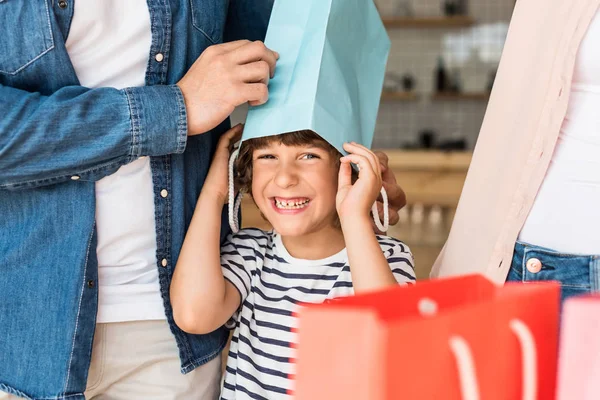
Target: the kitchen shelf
(429, 22)
(483, 96)
(399, 96)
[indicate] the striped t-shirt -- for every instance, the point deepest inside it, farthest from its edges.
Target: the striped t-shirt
(271, 282)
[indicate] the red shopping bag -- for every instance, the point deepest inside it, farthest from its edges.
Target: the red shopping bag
(579, 355)
(460, 338)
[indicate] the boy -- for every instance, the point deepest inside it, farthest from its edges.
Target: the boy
(322, 247)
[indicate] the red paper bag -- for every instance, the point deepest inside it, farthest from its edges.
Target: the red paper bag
(452, 339)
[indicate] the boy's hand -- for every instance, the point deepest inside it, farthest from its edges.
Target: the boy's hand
(216, 183)
(355, 201)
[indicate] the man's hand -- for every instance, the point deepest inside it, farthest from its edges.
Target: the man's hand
(396, 196)
(224, 77)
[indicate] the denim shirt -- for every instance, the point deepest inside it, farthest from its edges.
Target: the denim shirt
(57, 139)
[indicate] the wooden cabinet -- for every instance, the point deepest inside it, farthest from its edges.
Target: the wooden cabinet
(433, 183)
(430, 177)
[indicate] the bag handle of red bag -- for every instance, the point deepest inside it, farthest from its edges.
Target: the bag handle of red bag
(466, 366)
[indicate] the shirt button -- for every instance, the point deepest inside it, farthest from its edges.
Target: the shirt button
(75, 177)
(90, 284)
(534, 265)
(164, 262)
(159, 57)
(164, 193)
(62, 4)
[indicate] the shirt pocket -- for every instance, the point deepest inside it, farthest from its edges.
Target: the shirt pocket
(209, 16)
(26, 34)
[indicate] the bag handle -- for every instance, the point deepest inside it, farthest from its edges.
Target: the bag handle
(383, 227)
(234, 203)
(529, 359)
(466, 365)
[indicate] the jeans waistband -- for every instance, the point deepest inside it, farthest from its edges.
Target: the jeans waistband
(535, 263)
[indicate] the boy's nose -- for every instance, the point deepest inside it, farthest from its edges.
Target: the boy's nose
(285, 177)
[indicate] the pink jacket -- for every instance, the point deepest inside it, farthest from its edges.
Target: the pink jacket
(518, 135)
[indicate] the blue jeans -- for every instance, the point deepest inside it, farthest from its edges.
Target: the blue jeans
(578, 274)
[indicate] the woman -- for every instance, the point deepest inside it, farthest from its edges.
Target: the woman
(530, 206)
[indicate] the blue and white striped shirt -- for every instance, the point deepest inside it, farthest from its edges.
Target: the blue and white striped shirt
(272, 284)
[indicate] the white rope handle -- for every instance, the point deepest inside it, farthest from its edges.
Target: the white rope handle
(466, 368)
(383, 227)
(386, 213)
(529, 357)
(233, 204)
(466, 365)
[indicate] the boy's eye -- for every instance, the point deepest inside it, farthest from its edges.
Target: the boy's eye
(266, 157)
(310, 156)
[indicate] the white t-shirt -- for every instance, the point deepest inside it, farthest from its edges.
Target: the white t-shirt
(566, 211)
(271, 284)
(109, 45)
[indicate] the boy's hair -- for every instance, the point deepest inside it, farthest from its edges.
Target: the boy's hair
(243, 177)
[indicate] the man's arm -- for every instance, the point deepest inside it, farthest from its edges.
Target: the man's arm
(85, 134)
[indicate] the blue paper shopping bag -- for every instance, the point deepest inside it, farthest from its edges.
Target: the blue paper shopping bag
(328, 79)
(330, 72)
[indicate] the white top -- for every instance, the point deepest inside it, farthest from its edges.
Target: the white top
(109, 46)
(272, 284)
(566, 213)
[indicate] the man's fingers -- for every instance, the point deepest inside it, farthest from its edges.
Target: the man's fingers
(256, 72)
(382, 157)
(395, 194)
(255, 51)
(256, 93)
(229, 46)
(394, 217)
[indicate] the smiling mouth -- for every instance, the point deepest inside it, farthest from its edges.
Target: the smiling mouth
(290, 204)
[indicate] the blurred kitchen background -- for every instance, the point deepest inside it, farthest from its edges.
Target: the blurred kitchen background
(441, 68)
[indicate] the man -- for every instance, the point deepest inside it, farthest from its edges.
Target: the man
(110, 113)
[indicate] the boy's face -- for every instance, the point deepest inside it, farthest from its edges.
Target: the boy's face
(295, 187)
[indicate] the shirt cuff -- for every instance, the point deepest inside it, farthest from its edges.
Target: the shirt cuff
(158, 120)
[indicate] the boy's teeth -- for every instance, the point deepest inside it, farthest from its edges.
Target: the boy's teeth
(291, 204)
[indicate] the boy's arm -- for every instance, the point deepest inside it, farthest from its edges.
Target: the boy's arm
(202, 299)
(369, 267)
